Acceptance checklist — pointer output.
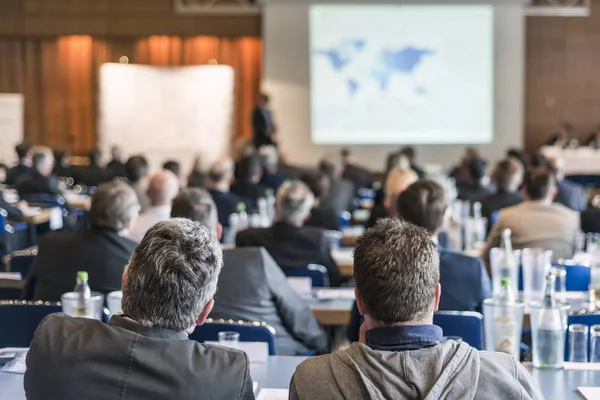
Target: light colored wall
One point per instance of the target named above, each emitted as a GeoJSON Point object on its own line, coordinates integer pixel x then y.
{"type": "Point", "coordinates": [286, 78]}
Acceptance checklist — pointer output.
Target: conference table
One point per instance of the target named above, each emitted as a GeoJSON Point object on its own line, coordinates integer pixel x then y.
{"type": "Point", "coordinates": [580, 161]}
{"type": "Point", "coordinates": [277, 372]}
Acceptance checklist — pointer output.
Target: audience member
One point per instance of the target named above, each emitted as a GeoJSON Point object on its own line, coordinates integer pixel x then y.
{"type": "Point", "coordinates": [174, 167]}
{"type": "Point", "coordinates": [62, 165]}
{"type": "Point", "coordinates": [145, 353]}
{"type": "Point", "coordinates": [13, 211]}
{"type": "Point", "coordinates": [116, 164]}
{"type": "Point", "coordinates": [24, 151]}
{"type": "Point", "coordinates": [538, 160]}
{"type": "Point", "coordinates": [562, 137]}
{"type": "Point", "coordinates": [537, 222]}
{"type": "Point", "coordinates": [247, 183]}
{"type": "Point", "coordinates": [39, 180]}
{"type": "Point", "coordinates": [341, 192]}
{"type": "Point", "coordinates": [360, 177]}
{"type": "Point", "coordinates": [507, 178]}
{"type": "Point", "coordinates": [519, 156]}
{"type": "Point", "coordinates": [221, 178]}
{"type": "Point", "coordinates": [102, 250]}
{"type": "Point", "coordinates": [290, 243]}
{"type": "Point", "coordinates": [401, 354]}
{"type": "Point", "coordinates": [320, 217]}
{"type": "Point", "coordinates": [163, 188]}
{"type": "Point", "coordinates": [287, 169]}
{"type": "Point", "coordinates": [411, 154]}
{"type": "Point", "coordinates": [397, 181]}
{"type": "Point", "coordinates": [269, 159]}
{"type": "Point", "coordinates": [478, 186]}
{"type": "Point", "coordinates": [569, 194]}
{"type": "Point", "coordinates": [137, 174]}
{"type": "Point", "coordinates": [197, 178]}
{"type": "Point", "coordinates": [94, 174]}
{"type": "Point", "coordinates": [252, 287]}
{"type": "Point", "coordinates": [590, 218]}
{"type": "Point", "coordinates": [263, 124]}
{"type": "Point", "coordinates": [462, 172]}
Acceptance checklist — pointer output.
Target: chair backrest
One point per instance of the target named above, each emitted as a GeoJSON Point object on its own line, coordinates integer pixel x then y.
{"type": "Point", "coordinates": [249, 332]}
{"type": "Point", "coordinates": [21, 260]}
{"type": "Point", "coordinates": [588, 319]}
{"type": "Point", "coordinates": [45, 200]}
{"type": "Point", "coordinates": [578, 276]}
{"type": "Point", "coordinates": [318, 274]}
{"type": "Point", "coordinates": [20, 319]}
{"type": "Point", "coordinates": [466, 324]}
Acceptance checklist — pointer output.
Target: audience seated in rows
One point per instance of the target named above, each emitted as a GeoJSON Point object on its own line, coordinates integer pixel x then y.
{"type": "Point", "coordinates": [397, 181]}
{"type": "Point", "coordinates": [137, 174]}
{"type": "Point", "coordinates": [401, 354]}
{"type": "Point", "coordinates": [95, 173]}
{"type": "Point", "coordinates": [197, 178]}
{"type": "Point", "coordinates": [144, 353]}
{"type": "Point", "coordinates": [507, 178]}
{"type": "Point", "coordinates": [568, 193]}
{"type": "Point", "coordinates": [341, 191]}
{"type": "Point", "coordinates": [25, 153]}
{"type": "Point", "coordinates": [360, 177]}
{"type": "Point", "coordinates": [116, 164]}
{"type": "Point", "coordinates": [162, 189]}
{"type": "Point", "coordinates": [269, 159]}
{"type": "Point", "coordinates": [252, 287]}
{"type": "Point", "coordinates": [103, 250]}
{"type": "Point", "coordinates": [290, 243]}
{"type": "Point", "coordinates": [247, 182]}
{"type": "Point", "coordinates": [320, 216]}
{"type": "Point", "coordinates": [221, 177]}
{"type": "Point", "coordinates": [538, 222]}
{"type": "Point", "coordinates": [478, 186]}
{"type": "Point", "coordinates": [39, 179]}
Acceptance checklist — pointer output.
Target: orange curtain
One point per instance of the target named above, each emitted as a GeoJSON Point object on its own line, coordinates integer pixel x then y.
{"type": "Point", "coordinates": [59, 78]}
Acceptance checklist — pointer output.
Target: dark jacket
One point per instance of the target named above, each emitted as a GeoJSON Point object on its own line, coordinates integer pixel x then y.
{"type": "Point", "coordinates": [498, 201]}
{"type": "Point", "coordinates": [197, 180]}
{"type": "Point", "coordinates": [77, 358]}
{"type": "Point", "coordinates": [227, 204]}
{"type": "Point", "coordinates": [252, 287]}
{"type": "Point", "coordinates": [118, 168]}
{"type": "Point", "coordinates": [251, 192]}
{"type": "Point", "coordinates": [263, 126]}
{"type": "Point", "coordinates": [340, 197]}
{"type": "Point", "coordinates": [571, 195]}
{"type": "Point", "coordinates": [16, 172]}
{"type": "Point", "coordinates": [34, 183]}
{"type": "Point", "coordinates": [11, 211]}
{"type": "Point", "coordinates": [293, 247]}
{"type": "Point", "coordinates": [473, 193]}
{"type": "Point", "coordinates": [272, 180]}
{"type": "Point", "coordinates": [93, 175]}
{"type": "Point", "coordinates": [326, 218]}
{"type": "Point", "coordinates": [103, 253]}
{"type": "Point", "coordinates": [64, 172]}
{"type": "Point", "coordinates": [360, 177]}
{"type": "Point", "coordinates": [590, 220]}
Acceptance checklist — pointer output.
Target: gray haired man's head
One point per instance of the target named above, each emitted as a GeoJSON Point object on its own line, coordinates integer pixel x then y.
{"type": "Point", "coordinates": [197, 205]}
{"type": "Point", "coordinates": [397, 271]}
{"type": "Point", "coordinates": [269, 157]}
{"type": "Point", "coordinates": [293, 203]}
{"type": "Point", "coordinates": [114, 206]}
{"type": "Point", "coordinates": [43, 160]}
{"type": "Point", "coordinates": [172, 276]}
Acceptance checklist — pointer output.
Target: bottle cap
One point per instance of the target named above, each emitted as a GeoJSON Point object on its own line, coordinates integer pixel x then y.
{"type": "Point", "coordinates": [241, 207]}
{"type": "Point", "coordinates": [82, 275]}
{"type": "Point", "coordinates": [505, 282]}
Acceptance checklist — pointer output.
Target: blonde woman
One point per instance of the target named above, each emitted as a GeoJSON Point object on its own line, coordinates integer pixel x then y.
{"type": "Point", "coordinates": [397, 181]}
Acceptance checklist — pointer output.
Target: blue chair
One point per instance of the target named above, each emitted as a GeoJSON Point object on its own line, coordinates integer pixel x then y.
{"type": "Point", "coordinates": [466, 324]}
{"type": "Point", "coordinates": [578, 276]}
{"type": "Point", "coordinates": [495, 216]}
{"type": "Point", "coordinates": [21, 260]}
{"type": "Point", "coordinates": [12, 237]}
{"type": "Point", "coordinates": [20, 319]}
{"type": "Point", "coordinates": [318, 274]}
{"type": "Point", "coordinates": [51, 201]}
{"type": "Point", "coordinates": [249, 332]}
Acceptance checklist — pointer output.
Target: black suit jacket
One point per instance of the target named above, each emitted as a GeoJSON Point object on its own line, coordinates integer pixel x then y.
{"type": "Point", "coordinates": [252, 287]}
{"type": "Point", "coordinates": [118, 168]}
{"type": "Point", "coordinates": [227, 204]}
{"type": "Point", "coordinates": [16, 172]}
{"type": "Point", "coordinates": [93, 175]}
{"type": "Point", "coordinates": [251, 192]}
{"type": "Point", "coordinates": [263, 127]}
{"type": "Point", "coordinates": [340, 197]}
{"type": "Point", "coordinates": [498, 201]}
{"type": "Point", "coordinates": [293, 247]}
{"type": "Point", "coordinates": [272, 181]}
{"type": "Point", "coordinates": [571, 195]}
{"type": "Point", "coordinates": [590, 220]}
{"type": "Point", "coordinates": [360, 177]}
{"type": "Point", "coordinates": [77, 358]}
{"type": "Point", "coordinates": [34, 183]}
{"type": "Point", "coordinates": [103, 253]}
{"type": "Point", "coordinates": [472, 192]}
{"type": "Point", "coordinates": [326, 218]}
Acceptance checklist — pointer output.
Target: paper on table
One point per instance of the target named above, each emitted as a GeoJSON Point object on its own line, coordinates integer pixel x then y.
{"type": "Point", "coordinates": [590, 393]}
{"type": "Point", "coordinates": [582, 366]}
{"type": "Point", "coordinates": [13, 276]}
{"type": "Point", "coordinates": [335, 294]}
{"type": "Point", "coordinates": [17, 365]}
{"type": "Point", "coordinates": [273, 394]}
{"type": "Point", "coordinates": [254, 387]}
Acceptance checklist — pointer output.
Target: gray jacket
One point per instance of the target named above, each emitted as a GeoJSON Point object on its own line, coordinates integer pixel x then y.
{"type": "Point", "coordinates": [76, 358]}
{"type": "Point", "coordinates": [448, 371]}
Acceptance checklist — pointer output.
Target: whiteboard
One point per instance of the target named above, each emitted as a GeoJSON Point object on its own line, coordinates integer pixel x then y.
{"type": "Point", "coordinates": [167, 113]}
{"type": "Point", "coordinates": [11, 125]}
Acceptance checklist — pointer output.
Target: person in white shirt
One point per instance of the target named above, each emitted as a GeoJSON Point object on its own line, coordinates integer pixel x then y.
{"type": "Point", "coordinates": [163, 188]}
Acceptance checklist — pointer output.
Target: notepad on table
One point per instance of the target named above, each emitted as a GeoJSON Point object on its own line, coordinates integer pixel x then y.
{"type": "Point", "coordinates": [590, 393]}
{"type": "Point", "coordinates": [273, 394]}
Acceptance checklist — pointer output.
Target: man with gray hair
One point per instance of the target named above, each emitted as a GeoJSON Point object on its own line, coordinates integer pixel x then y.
{"type": "Point", "coordinates": [289, 242]}
{"type": "Point", "coordinates": [39, 180]}
{"type": "Point", "coordinates": [144, 353]}
{"type": "Point", "coordinates": [102, 250]}
{"type": "Point", "coordinates": [221, 178]}
{"type": "Point", "coordinates": [341, 191]}
{"type": "Point", "coordinates": [401, 354]}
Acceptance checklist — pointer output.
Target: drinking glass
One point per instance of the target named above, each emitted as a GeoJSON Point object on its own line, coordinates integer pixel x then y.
{"type": "Point", "coordinates": [560, 286]}
{"type": "Point", "coordinates": [595, 343]}
{"type": "Point", "coordinates": [503, 323]}
{"type": "Point", "coordinates": [70, 304]}
{"type": "Point", "coordinates": [229, 339]}
{"type": "Point", "coordinates": [502, 268]}
{"type": "Point", "coordinates": [536, 266]}
{"type": "Point", "coordinates": [592, 242]}
{"type": "Point", "coordinates": [113, 301]}
{"type": "Point", "coordinates": [578, 343]}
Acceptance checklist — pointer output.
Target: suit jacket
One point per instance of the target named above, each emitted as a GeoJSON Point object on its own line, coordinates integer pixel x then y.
{"type": "Point", "coordinates": [93, 175]}
{"type": "Point", "coordinates": [326, 218]}
{"type": "Point", "coordinates": [251, 192]}
{"type": "Point", "coordinates": [34, 183]}
{"type": "Point", "coordinates": [360, 177]}
{"type": "Point", "coordinates": [533, 224]}
{"type": "Point", "coordinates": [498, 201]}
{"type": "Point", "coordinates": [61, 171]}
{"type": "Point", "coordinates": [293, 247]}
{"type": "Point", "coordinates": [77, 358]}
{"type": "Point", "coordinates": [263, 125]}
{"type": "Point", "coordinates": [341, 195]}
{"type": "Point", "coordinates": [590, 220]}
{"type": "Point", "coordinates": [118, 168]}
{"type": "Point", "coordinates": [16, 172]}
{"type": "Point", "coordinates": [11, 211]}
{"type": "Point", "coordinates": [473, 193]}
{"type": "Point", "coordinates": [272, 181]}
{"type": "Point", "coordinates": [103, 253]}
{"type": "Point", "coordinates": [571, 195]}
{"type": "Point", "coordinates": [197, 180]}
{"type": "Point", "coordinates": [227, 204]}
{"type": "Point", "coordinates": [252, 287]}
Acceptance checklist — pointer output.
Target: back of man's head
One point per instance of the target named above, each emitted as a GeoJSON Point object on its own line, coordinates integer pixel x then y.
{"type": "Point", "coordinates": [249, 169]}
{"type": "Point", "coordinates": [221, 173]}
{"type": "Point", "coordinates": [332, 166]}
{"type": "Point", "coordinates": [163, 188]}
{"type": "Point", "coordinates": [197, 205]}
{"type": "Point", "coordinates": [293, 203]}
{"type": "Point", "coordinates": [423, 204]}
{"type": "Point", "coordinates": [269, 158]}
{"type": "Point", "coordinates": [137, 168]}
{"type": "Point", "coordinates": [95, 157]}
{"type": "Point", "coordinates": [173, 166]}
{"type": "Point", "coordinates": [115, 153]}
{"type": "Point", "coordinates": [557, 166]}
{"type": "Point", "coordinates": [478, 169]}
{"type": "Point", "coordinates": [43, 160]}
{"type": "Point", "coordinates": [508, 175]}
{"type": "Point", "coordinates": [539, 185]}
{"type": "Point", "coordinates": [319, 184]}
{"type": "Point", "coordinates": [410, 153]}
{"type": "Point", "coordinates": [23, 150]}
{"type": "Point", "coordinates": [397, 269]}
{"type": "Point", "coordinates": [114, 206]}
{"type": "Point", "coordinates": [172, 275]}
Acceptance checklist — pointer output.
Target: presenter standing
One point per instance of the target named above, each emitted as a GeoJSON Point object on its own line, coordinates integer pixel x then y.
{"type": "Point", "coordinates": [262, 123]}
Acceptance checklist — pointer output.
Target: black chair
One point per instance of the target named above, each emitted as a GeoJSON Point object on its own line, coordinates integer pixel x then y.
{"type": "Point", "coordinates": [20, 319]}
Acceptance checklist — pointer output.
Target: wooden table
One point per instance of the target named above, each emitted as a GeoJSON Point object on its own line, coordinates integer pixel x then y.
{"type": "Point", "coordinates": [344, 260]}
{"type": "Point", "coordinates": [333, 312]}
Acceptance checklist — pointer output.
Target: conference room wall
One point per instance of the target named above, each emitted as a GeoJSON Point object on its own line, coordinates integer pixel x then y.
{"type": "Point", "coordinates": [286, 79]}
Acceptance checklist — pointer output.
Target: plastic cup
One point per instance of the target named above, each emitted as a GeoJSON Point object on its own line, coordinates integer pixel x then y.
{"type": "Point", "coordinates": [113, 301]}
{"type": "Point", "coordinates": [536, 264]}
{"type": "Point", "coordinates": [595, 344]}
{"type": "Point", "coordinates": [578, 343]}
{"type": "Point", "coordinates": [69, 305]}
{"type": "Point", "coordinates": [503, 324]}
{"type": "Point", "coordinates": [229, 339]}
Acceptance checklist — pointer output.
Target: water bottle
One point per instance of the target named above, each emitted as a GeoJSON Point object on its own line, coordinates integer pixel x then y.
{"type": "Point", "coordinates": [505, 320]}
{"type": "Point", "coordinates": [83, 296]}
{"type": "Point", "coordinates": [478, 223]}
{"type": "Point", "coordinates": [271, 206]}
{"type": "Point", "coordinates": [263, 212]}
{"type": "Point", "coordinates": [549, 335]}
{"type": "Point", "coordinates": [242, 217]}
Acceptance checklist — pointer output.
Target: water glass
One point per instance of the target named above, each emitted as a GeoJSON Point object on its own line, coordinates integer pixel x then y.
{"type": "Point", "coordinates": [113, 302]}
{"type": "Point", "coordinates": [536, 264]}
{"type": "Point", "coordinates": [229, 339]}
{"type": "Point", "coordinates": [334, 238]}
{"type": "Point", "coordinates": [503, 268]}
{"type": "Point", "coordinates": [70, 305]}
{"type": "Point", "coordinates": [592, 242]}
{"type": "Point", "coordinates": [503, 324]}
{"type": "Point", "coordinates": [578, 343]}
{"type": "Point", "coordinates": [595, 344]}
{"type": "Point", "coordinates": [560, 286]}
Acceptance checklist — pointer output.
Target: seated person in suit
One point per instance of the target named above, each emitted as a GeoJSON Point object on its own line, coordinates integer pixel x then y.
{"type": "Point", "coordinates": [94, 174]}
{"type": "Point", "coordinates": [561, 138]}
{"type": "Point", "coordinates": [174, 167]}
{"type": "Point", "coordinates": [197, 178]}
{"type": "Point", "coordinates": [341, 192]}
{"type": "Point", "coordinates": [590, 218]}
{"type": "Point", "coordinates": [137, 174]}
{"type": "Point", "coordinates": [116, 164]}
{"type": "Point", "coordinates": [360, 177]}
{"type": "Point", "coordinates": [478, 186]}
{"type": "Point", "coordinates": [397, 181]}
{"type": "Point", "coordinates": [569, 194]}
{"type": "Point", "coordinates": [269, 159]}
{"type": "Point", "coordinates": [24, 151]}
{"type": "Point", "coordinates": [39, 180]}
{"type": "Point", "coordinates": [145, 353]}
{"type": "Point", "coordinates": [103, 250]}
{"type": "Point", "coordinates": [220, 178]}
{"type": "Point", "coordinates": [247, 182]}
{"type": "Point", "coordinates": [320, 217]}
{"type": "Point", "coordinates": [411, 154]}
{"type": "Point", "coordinates": [507, 177]}
{"type": "Point", "coordinates": [163, 188]}
{"type": "Point", "coordinates": [401, 353]}
{"type": "Point", "coordinates": [62, 165]}
{"type": "Point", "coordinates": [290, 243]}
{"type": "Point", "coordinates": [538, 222]}
{"type": "Point", "coordinates": [252, 287]}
